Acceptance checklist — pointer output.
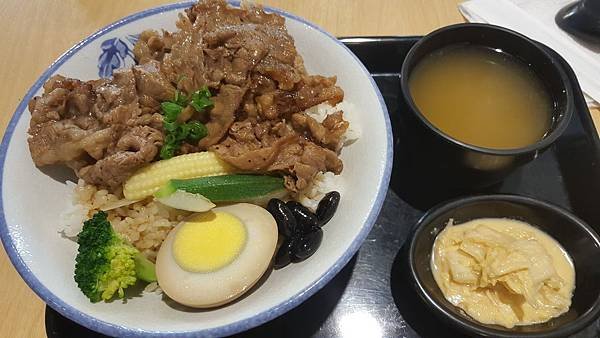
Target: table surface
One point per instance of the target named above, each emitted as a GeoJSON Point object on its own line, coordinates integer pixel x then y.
{"type": "Point", "coordinates": [37, 32]}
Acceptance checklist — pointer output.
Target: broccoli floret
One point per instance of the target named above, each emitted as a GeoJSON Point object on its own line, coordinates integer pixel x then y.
{"type": "Point", "coordinates": [106, 263]}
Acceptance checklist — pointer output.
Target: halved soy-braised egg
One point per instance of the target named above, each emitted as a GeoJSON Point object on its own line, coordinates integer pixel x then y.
{"type": "Point", "coordinates": [214, 257]}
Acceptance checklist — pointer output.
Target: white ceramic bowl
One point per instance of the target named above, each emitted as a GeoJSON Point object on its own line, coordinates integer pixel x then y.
{"type": "Point", "coordinates": [32, 201]}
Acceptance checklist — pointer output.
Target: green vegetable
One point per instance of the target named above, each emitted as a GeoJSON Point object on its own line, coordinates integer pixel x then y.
{"type": "Point", "coordinates": [177, 132]}
{"type": "Point", "coordinates": [106, 264]}
{"type": "Point", "coordinates": [194, 130]}
{"type": "Point", "coordinates": [228, 188]}
{"type": "Point", "coordinates": [144, 269]}
{"type": "Point", "coordinates": [184, 200]}
{"type": "Point", "coordinates": [201, 99]}
{"type": "Point", "coordinates": [171, 110]}
{"type": "Point", "coordinates": [180, 98]}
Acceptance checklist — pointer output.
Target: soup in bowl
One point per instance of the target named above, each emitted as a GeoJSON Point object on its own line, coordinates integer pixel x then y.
{"type": "Point", "coordinates": [482, 101]}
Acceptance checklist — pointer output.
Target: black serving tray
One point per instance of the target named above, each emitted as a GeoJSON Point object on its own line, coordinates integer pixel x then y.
{"type": "Point", "coordinates": [372, 296]}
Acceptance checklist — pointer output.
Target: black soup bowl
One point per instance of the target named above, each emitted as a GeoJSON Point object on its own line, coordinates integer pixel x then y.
{"type": "Point", "coordinates": [580, 241]}
{"type": "Point", "coordinates": [469, 165]}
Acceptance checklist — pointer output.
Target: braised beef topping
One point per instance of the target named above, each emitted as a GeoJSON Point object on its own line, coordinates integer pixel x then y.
{"type": "Point", "coordinates": [107, 129]}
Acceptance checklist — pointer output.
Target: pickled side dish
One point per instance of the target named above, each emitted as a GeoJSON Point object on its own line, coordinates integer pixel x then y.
{"type": "Point", "coordinates": [503, 271]}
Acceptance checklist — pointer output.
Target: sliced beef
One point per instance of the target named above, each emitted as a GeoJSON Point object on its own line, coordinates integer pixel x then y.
{"type": "Point", "coordinates": [184, 64]}
{"type": "Point", "coordinates": [151, 83]}
{"type": "Point", "coordinates": [329, 133]}
{"type": "Point", "coordinates": [135, 148]}
{"type": "Point", "coordinates": [303, 161]}
{"type": "Point", "coordinates": [316, 89]}
{"type": "Point", "coordinates": [252, 145]}
{"type": "Point", "coordinates": [111, 94]}
{"type": "Point", "coordinates": [218, 45]}
{"type": "Point", "coordinates": [106, 129]}
{"type": "Point", "coordinates": [148, 105]}
{"type": "Point", "coordinates": [274, 147]}
{"type": "Point", "coordinates": [222, 114]}
{"type": "Point", "coordinates": [62, 98]}
{"type": "Point", "coordinates": [310, 91]}
{"type": "Point", "coordinates": [90, 126]}
{"type": "Point", "coordinates": [48, 107]}
{"type": "Point", "coordinates": [55, 142]}
{"type": "Point", "coordinates": [248, 47]}
{"type": "Point", "coordinates": [255, 157]}
{"type": "Point", "coordinates": [215, 13]}
{"type": "Point", "coordinates": [152, 46]}
{"type": "Point", "coordinates": [121, 114]}
{"type": "Point", "coordinates": [154, 120]}
{"type": "Point", "coordinates": [294, 156]}
{"type": "Point", "coordinates": [98, 143]}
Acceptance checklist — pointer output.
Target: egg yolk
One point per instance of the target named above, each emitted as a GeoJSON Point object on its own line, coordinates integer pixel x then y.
{"type": "Point", "coordinates": [209, 241]}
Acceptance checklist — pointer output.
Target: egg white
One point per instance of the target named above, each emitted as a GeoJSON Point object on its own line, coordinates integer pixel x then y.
{"type": "Point", "coordinates": [209, 289]}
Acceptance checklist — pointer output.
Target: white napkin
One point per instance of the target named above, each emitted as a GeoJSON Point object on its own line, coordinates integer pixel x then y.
{"type": "Point", "coordinates": [535, 19]}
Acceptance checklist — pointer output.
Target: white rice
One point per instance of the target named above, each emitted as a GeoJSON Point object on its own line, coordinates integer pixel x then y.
{"type": "Point", "coordinates": [326, 182]}
{"type": "Point", "coordinates": [320, 112]}
{"type": "Point", "coordinates": [321, 185]}
{"type": "Point", "coordinates": [145, 224]}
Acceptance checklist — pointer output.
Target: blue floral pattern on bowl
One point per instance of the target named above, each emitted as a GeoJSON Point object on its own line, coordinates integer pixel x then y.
{"type": "Point", "coordinates": [116, 53]}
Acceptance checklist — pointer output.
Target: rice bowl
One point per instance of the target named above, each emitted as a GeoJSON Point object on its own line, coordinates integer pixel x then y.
{"type": "Point", "coordinates": [55, 285]}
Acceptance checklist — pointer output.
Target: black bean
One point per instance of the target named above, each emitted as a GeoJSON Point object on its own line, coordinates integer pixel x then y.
{"type": "Point", "coordinates": [286, 223]}
{"type": "Point", "coordinates": [327, 207]}
{"type": "Point", "coordinates": [305, 219]}
{"type": "Point", "coordinates": [306, 245]}
{"type": "Point", "coordinates": [283, 257]}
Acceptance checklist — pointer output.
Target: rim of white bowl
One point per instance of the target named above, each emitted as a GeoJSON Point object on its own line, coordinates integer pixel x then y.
{"type": "Point", "coordinates": [241, 325]}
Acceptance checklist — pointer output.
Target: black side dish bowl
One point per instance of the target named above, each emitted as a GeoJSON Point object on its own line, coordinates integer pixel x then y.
{"type": "Point", "coordinates": [580, 241]}
{"type": "Point", "coordinates": [468, 165]}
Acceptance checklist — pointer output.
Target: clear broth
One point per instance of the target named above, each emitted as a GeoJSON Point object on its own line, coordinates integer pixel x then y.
{"type": "Point", "coordinates": [481, 97]}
